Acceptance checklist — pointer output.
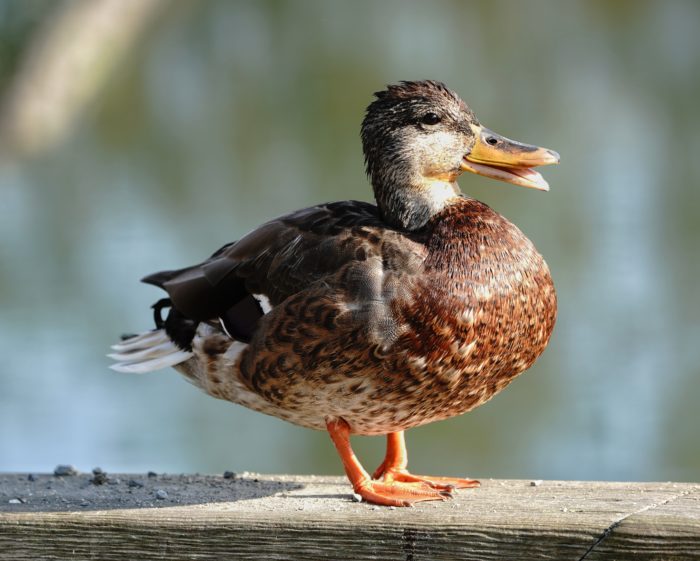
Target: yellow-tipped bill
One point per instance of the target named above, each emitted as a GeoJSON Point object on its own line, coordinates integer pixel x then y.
{"type": "Point", "coordinates": [499, 157]}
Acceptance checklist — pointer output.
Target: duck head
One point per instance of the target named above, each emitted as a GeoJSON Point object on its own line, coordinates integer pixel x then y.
{"type": "Point", "coordinates": [418, 137]}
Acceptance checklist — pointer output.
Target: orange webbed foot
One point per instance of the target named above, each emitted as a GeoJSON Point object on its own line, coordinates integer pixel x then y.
{"type": "Point", "coordinates": [393, 469]}
{"type": "Point", "coordinates": [432, 481]}
{"type": "Point", "coordinates": [399, 493]}
{"type": "Point", "coordinates": [392, 484]}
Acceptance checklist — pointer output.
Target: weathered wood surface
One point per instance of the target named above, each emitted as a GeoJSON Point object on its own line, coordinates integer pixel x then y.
{"type": "Point", "coordinates": [314, 518]}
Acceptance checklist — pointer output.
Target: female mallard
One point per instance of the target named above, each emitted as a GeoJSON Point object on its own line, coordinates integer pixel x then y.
{"type": "Point", "coordinates": [363, 319]}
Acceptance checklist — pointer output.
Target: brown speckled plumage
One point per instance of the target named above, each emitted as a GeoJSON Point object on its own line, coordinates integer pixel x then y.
{"type": "Point", "coordinates": [382, 318]}
{"type": "Point", "coordinates": [406, 330]}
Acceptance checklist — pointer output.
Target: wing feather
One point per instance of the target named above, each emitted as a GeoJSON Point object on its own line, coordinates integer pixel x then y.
{"type": "Point", "coordinates": [281, 258]}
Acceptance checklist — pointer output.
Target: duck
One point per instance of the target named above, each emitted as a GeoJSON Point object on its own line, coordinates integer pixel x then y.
{"type": "Point", "coordinates": [371, 319]}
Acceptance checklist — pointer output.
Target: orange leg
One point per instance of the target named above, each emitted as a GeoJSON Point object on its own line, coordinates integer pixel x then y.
{"type": "Point", "coordinates": [389, 493]}
{"type": "Point", "coordinates": [395, 464]}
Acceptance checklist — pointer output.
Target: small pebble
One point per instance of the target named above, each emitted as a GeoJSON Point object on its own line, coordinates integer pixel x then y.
{"type": "Point", "coordinates": [357, 497]}
{"type": "Point", "coordinates": [99, 477]}
{"type": "Point", "coordinates": [152, 474]}
{"type": "Point", "coordinates": [161, 495]}
{"type": "Point", "coordinates": [392, 508]}
{"type": "Point", "coordinates": [31, 477]}
{"type": "Point", "coordinates": [65, 470]}
{"type": "Point", "coordinates": [84, 503]}
{"type": "Point", "coordinates": [134, 483]}
{"type": "Point", "coordinates": [536, 483]}
{"type": "Point", "coordinates": [15, 502]}
{"type": "Point", "coordinates": [229, 475]}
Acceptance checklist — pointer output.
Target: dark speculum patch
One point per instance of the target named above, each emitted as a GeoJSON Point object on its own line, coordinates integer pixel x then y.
{"type": "Point", "coordinates": [241, 319]}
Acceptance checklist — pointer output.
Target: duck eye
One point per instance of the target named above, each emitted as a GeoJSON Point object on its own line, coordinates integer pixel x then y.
{"type": "Point", "coordinates": [430, 119]}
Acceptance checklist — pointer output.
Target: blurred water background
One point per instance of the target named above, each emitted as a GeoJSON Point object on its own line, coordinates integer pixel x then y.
{"type": "Point", "coordinates": [228, 113]}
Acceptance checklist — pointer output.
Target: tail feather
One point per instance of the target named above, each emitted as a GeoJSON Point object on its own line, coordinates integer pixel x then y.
{"type": "Point", "coordinates": [142, 354]}
{"type": "Point", "coordinates": [143, 340]}
{"type": "Point", "coordinates": [147, 352]}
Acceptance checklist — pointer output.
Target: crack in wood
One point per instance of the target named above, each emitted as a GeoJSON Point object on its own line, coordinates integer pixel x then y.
{"type": "Point", "coordinates": [409, 543]}
{"type": "Point", "coordinates": [609, 530]}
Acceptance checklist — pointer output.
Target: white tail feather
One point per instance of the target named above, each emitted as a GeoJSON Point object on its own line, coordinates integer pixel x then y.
{"type": "Point", "coordinates": [141, 341]}
{"type": "Point", "coordinates": [153, 364]}
{"type": "Point", "coordinates": [147, 352]}
{"type": "Point", "coordinates": [143, 354]}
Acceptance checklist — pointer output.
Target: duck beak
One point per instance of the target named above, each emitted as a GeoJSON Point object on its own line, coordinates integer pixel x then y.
{"type": "Point", "coordinates": [499, 157]}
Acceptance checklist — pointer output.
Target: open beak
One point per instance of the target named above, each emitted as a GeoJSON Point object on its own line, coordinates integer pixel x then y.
{"type": "Point", "coordinates": [499, 157]}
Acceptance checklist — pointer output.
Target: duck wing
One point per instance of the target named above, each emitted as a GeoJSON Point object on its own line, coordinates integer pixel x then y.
{"type": "Point", "coordinates": [277, 260]}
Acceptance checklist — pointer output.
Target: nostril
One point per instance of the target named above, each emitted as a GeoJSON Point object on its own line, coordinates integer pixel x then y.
{"type": "Point", "coordinates": [492, 140]}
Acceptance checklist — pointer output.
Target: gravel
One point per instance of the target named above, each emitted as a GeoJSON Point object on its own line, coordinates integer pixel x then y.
{"type": "Point", "coordinates": [99, 477]}
{"type": "Point", "coordinates": [65, 470]}
{"type": "Point", "coordinates": [49, 493]}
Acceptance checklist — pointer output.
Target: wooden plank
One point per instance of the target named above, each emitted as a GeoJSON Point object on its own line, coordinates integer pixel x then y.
{"type": "Point", "coordinates": [314, 518]}
{"type": "Point", "coordinates": [645, 532]}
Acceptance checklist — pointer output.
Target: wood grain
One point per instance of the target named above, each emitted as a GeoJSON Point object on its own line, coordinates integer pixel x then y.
{"type": "Point", "coordinates": [314, 518]}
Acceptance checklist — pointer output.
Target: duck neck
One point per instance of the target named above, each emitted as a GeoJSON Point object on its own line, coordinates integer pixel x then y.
{"type": "Point", "coordinates": [409, 201]}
